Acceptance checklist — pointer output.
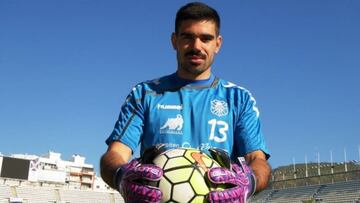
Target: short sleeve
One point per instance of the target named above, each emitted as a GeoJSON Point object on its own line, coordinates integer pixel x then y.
{"type": "Point", "coordinates": [129, 126]}
{"type": "Point", "coordinates": [248, 134]}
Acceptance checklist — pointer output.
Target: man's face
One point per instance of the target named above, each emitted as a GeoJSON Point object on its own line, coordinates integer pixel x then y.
{"type": "Point", "coordinates": [196, 44]}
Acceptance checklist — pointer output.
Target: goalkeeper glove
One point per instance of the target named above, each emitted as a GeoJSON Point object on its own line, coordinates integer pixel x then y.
{"type": "Point", "coordinates": [132, 178]}
{"type": "Point", "coordinates": [239, 179]}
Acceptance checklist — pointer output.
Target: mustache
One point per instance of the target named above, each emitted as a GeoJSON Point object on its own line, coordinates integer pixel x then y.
{"type": "Point", "coordinates": [195, 53]}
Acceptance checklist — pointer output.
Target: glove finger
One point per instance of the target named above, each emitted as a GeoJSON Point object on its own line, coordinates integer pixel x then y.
{"type": "Point", "coordinates": [136, 193]}
{"type": "Point", "coordinates": [236, 168]}
{"type": "Point", "coordinates": [220, 175]}
{"type": "Point", "coordinates": [242, 177]}
{"type": "Point", "coordinates": [146, 171]}
{"type": "Point", "coordinates": [133, 163]}
{"type": "Point", "coordinates": [232, 195]}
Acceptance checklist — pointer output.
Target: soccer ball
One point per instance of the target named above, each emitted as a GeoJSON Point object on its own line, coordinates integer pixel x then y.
{"type": "Point", "coordinates": [184, 175]}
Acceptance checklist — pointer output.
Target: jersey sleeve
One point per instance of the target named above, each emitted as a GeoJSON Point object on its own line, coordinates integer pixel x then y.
{"type": "Point", "coordinates": [129, 126]}
{"type": "Point", "coordinates": [248, 134]}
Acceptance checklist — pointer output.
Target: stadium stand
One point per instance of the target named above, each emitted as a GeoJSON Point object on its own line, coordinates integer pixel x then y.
{"type": "Point", "coordinates": [49, 179]}
{"type": "Point", "coordinates": [41, 194]}
{"type": "Point", "coordinates": [313, 183]}
{"type": "Point", "coordinates": [70, 196]}
{"type": "Point", "coordinates": [5, 193]}
{"type": "Point", "coordinates": [298, 194]}
{"type": "Point", "coordinates": [340, 192]}
{"type": "Point", "coordinates": [262, 197]}
{"type": "Point", "coordinates": [118, 198]}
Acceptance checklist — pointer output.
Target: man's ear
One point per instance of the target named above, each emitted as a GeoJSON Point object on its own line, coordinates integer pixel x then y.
{"type": "Point", "coordinates": [218, 43]}
{"type": "Point", "coordinates": [173, 40]}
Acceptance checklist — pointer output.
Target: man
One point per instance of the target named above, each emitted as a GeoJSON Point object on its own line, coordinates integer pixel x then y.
{"type": "Point", "coordinates": [190, 108]}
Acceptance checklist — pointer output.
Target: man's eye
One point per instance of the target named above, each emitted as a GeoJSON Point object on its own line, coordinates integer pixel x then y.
{"type": "Point", "coordinates": [206, 39]}
{"type": "Point", "coordinates": [187, 37]}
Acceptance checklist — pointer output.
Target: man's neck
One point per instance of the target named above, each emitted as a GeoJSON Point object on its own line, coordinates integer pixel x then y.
{"type": "Point", "coordinates": [190, 76]}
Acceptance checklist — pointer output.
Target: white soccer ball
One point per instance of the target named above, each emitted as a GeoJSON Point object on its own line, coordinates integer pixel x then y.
{"type": "Point", "coordinates": [184, 175]}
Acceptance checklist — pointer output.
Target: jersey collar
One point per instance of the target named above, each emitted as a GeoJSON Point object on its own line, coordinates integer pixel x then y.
{"type": "Point", "coordinates": [180, 82]}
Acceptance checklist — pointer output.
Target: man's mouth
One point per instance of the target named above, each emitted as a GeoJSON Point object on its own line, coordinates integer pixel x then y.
{"type": "Point", "coordinates": [195, 58]}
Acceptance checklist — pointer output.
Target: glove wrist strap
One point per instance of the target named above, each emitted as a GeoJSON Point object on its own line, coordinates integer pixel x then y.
{"type": "Point", "coordinates": [252, 180]}
{"type": "Point", "coordinates": [118, 176]}
{"type": "Point", "coordinates": [250, 174]}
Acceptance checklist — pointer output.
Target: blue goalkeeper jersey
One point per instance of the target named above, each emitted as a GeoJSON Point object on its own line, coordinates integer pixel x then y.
{"type": "Point", "coordinates": [194, 114]}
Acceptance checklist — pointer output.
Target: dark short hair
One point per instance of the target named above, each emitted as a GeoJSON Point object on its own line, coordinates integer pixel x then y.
{"type": "Point", "coordinates": [197, 11]}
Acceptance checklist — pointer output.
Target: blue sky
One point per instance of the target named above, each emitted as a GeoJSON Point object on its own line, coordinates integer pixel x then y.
{"type": "Point", "coordinates": [67, 66]}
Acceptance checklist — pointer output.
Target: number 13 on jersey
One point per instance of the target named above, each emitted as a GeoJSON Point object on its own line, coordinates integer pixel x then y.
{"type": "Point", "coordinates": [223, 128]}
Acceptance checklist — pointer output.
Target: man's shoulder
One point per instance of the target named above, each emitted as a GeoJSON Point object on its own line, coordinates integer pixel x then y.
{"type": "Point", "coordinates": [230, 86]}
{"type": "Point", "coordinates": [239, 93]}
{"type": "Point", "coordinates": [154, 85]}
{"type": "Point", "coordinates": [159, 81]}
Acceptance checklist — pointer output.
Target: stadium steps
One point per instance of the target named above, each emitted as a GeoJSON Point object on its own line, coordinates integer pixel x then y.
{"type": "Point", "coordinates": [340, 192]}
{"type": "Point", "coordinates": [294, 195]}
{"type": "Point", "coordinates": [262, 197]}
{"type": "Point", "coordinates": [13, 191]}
{"type": "Point", "coordinates": [41, 194]}
{"type": "Point", "coordinates": [118, 198]}
{"type": "Point", "coordinates": [5, 193]}
{"type": "Point", "coordinates": [319, 189]}
{"type": "Point", "coordinates": [57, 194]}
{"type": "Point", "coordinates": [83, 196]}
{"type": "Point", "coordinates": [270, 195]}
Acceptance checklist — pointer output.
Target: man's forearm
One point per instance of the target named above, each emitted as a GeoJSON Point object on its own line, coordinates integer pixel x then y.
{"type": "Point", "coordinates": [109, 163]}
{"type": "Point", "coordinates": [262, 171]}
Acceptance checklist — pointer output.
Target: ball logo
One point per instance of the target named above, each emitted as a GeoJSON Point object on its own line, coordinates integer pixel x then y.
{"type": "Point", "coordinates": [219, 108]}
{"type": "Point", "coordinates": [198, 157]}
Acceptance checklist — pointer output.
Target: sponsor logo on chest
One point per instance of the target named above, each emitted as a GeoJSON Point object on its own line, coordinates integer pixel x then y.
{"type": "Point", "coordinates": [173, 125]}
{"type": "Point", "coordinates": [169, 107]}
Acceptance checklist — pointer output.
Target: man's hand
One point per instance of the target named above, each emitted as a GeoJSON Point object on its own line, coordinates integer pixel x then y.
{"type": "Point", "coordinates": [238, 178]}
{"type": "Point", "coordinates": [129, 178]}
{"type": "Point", "coordinates": [133, 180]}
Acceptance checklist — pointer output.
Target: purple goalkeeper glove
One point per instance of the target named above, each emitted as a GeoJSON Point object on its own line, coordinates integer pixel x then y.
{"type": "Point", "coordinates": [131, 180]}
{"type": "Point", "coordinates": [239, 179]}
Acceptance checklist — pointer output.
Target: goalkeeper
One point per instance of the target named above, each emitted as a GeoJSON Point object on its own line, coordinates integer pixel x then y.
{"type": "Point", "coordinates": [190, 108]}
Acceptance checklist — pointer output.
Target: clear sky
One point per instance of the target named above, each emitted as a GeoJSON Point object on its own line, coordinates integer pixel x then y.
{"type": "Point", "coordinates": [67, 66]}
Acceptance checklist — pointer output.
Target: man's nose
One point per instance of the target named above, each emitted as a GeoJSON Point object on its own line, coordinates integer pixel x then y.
{"type": "Point", "coordinates": [196, 44]}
